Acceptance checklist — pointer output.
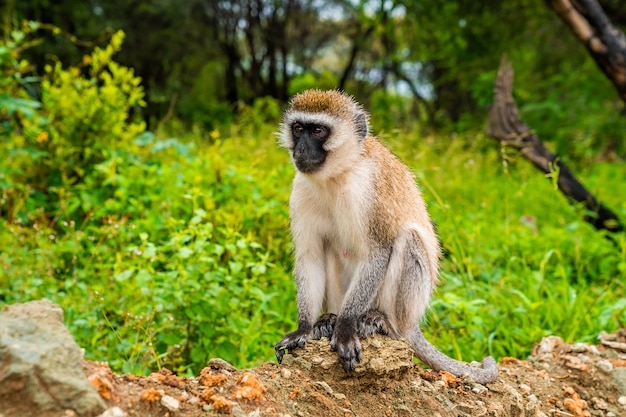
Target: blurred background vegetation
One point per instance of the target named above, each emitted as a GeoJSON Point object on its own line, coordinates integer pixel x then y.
{"type": "Point", "coordinates": [142, 189]}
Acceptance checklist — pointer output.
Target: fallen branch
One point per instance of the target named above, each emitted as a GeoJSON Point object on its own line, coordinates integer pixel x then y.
{"type": "Point", "coordinates": [506, 126]}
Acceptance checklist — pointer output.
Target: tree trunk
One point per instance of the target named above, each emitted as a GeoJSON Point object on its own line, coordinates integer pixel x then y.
{"type": "Point", "coordinates": [506, 126]}
{"type": "Point", "coordinates": [604, 42]}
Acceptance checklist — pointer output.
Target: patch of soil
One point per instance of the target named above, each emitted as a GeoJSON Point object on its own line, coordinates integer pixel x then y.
{"type": "Point", "coordinates": [559, 379]}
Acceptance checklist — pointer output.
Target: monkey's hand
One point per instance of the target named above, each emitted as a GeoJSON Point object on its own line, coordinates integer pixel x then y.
{"type": "Point", "coordinates": [345, 341]}
{"type": "Point", "coordinates": [293, 340]}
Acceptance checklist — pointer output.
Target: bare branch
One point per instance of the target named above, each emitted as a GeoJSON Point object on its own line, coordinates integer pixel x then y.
{"type": "Point", "coordinates": [506, 126]}
{"type": "Point", "coordinates": [605, 42]}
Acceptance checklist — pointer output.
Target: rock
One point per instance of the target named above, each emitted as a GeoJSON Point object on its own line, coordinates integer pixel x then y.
{"type": "Point", "coordinates": [114, 412]}
{"type": "Point", "coordinates": [548, 345]}
{"type": "Point", "coordinates": [325, 386]}
{"type": "Point", "coordinates": [380, 356]}
{"type": "Point", "coordinates": [479, 389]}
{"type": "Point", "coordinates": [605, 366]}
{"type": "Point", "coordinates": [40, 363]}
{"type": "Point", "coordinates": [221, 364]}
{"type": "Point", "coordinates": [170, 403]}
{"type": "Point", "coordinates": [619, 378]}
{"type": "Point", "coordinates": [579, 348]}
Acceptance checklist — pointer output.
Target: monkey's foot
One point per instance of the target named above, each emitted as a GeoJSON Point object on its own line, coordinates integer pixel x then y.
{"type": "Point", "coordinates": [370, 323]}
{"type": "Point", "coordinates": [345, 341]}
{"type": "Point", "coordinates": [292, 340]}
{"type": "Point", "coordinates": [324, 326]}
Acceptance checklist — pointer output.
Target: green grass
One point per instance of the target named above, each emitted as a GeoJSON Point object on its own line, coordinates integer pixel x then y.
{"type": "Point", "coordinates": [520, 263]}
{"type": "Point", "coordinates": [191, 257]}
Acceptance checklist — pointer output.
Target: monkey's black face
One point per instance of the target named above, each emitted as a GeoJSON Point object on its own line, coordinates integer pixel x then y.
{"type": "Point", "coordinates": [308, 152]}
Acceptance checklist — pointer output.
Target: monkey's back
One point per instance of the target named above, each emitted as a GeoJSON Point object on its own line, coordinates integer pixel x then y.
{"type": "Point", "coordinates": [398, 202]}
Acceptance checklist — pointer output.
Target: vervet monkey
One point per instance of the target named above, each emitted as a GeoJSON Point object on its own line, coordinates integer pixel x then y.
{"type": "Point", "coordinates": [366, 252]}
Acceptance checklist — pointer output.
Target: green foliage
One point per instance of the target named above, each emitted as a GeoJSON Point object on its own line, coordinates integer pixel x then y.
{"type": "Point", "coordinates": [166, 251]}
{"type": "Point", "coordinates": [187, 262]}
{"type": "Point", "coordinates": [13, 101]}
{"type": "Point", "coordinates": [81, 127]}
{"type": "Point", "coordinates": [192, 259]}
{"type": "Point", "coordinates": [255, 120]}
{"type": "Point", "coordinates": [203, 105]}
{"type": "Point", "coordinates": [389, 111]}
{"type": "Point", "coordinates": [520, 263]}
{"type": "Point", "coordinates": [325, 80]}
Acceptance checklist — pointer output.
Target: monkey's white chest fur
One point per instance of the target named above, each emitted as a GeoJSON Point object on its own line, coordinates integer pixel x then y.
{"type": "Point", "coordinates": [332, 228]}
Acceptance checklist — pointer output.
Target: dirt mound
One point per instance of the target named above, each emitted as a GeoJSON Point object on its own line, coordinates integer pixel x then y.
{"type": "Point", "coordinates": [40, 375]}
{"type": "Point", "coordinates": [558, 379]}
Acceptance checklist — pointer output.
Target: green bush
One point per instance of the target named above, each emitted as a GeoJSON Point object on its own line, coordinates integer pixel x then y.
{"type": "Point", "coordinates": [80, 127]}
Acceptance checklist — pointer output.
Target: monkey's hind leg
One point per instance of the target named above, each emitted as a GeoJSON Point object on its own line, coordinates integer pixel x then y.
{"type": "Point", "coordinates": [324, 326]}
{"type": "Point", "coordinates": [368, 324]}
{"type": "Point", "coordinates": [371, 322]}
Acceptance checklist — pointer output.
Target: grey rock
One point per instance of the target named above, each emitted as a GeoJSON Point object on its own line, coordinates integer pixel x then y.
{"type": "Point", "coordinates": [221, 364]}
{"type": "Point", "coordinates": [619, 378]}
{"type": "Point", "coordinates": [40, 363]}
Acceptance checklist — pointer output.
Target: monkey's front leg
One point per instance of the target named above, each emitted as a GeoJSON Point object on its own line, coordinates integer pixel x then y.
{"type": "Point", "coordinates": [357, 302]}
{"type": "Point", "coordinates": [293, 340]}
{"type": "Point", "coordinates": [310, 280]}
{"type": "Point", "coordinates": [322, 328]}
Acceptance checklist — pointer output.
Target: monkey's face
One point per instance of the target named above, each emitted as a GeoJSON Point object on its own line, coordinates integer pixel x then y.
{"type": "Point", "coordinates": [308, 145]}
{"type": "Point", "coordinates": [323, 131]}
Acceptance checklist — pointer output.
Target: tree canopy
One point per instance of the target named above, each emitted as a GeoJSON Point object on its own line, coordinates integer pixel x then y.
{"type": "Point", "coordinates": [419, 62]}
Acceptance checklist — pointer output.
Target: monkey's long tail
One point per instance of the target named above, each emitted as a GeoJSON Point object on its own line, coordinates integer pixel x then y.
{"type": "Point", "coordinates": [432, 357]}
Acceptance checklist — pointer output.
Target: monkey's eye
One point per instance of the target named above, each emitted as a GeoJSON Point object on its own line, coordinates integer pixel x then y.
{"type": "Point", "coordinates": [297, 129]}
{"type": "Point", "coordinates": [320, 132]}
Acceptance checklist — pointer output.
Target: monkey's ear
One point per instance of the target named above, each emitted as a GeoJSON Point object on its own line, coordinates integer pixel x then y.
{"type": "Point", "coordinates": [361, 125]}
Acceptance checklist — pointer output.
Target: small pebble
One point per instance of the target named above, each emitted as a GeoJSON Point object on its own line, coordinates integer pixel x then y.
{"type": "Point", "coordinates": [112, 412]}
{"type": "Point", "coordinates": [479, 389]}
{"type": "Point", "coordinates": [221, 364]}
{"type": "Point", "coordinates": [285, 373]}
{"type": "Point", "coordinates": [525, 388]}
{"type": "Point", "coordinates": [548, 344]}
{"type": "Point", "coordinates": [439, 385]}
{"type": "Point", "coordinates": [605, 366]}
{"type": "Point", "coordinates": [316, 360]}
{"type": "Point", "coordinates": [599, 403]}
{"type": "Point", "coordinates": [622, 400]}
{"type": "Point", "coordinates": [579, 347]}
{"type": "Point", "coordinates": [170, 403]}
{"type": "Point", "coordinates": [594, 350]}
{"type": "Point", "coordinates": [326, 387]}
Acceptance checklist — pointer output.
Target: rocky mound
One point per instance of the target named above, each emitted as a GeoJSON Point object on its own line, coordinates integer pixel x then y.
{"type": "Point", "coordinates": [40, 375]}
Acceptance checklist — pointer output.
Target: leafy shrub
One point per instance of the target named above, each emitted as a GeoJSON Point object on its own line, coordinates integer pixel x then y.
{"type": "Point", "coordinates": [82, 122]}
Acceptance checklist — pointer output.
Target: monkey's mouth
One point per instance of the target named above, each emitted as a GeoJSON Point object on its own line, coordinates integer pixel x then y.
{"type": "Point", "coordinates": [307, 166]}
